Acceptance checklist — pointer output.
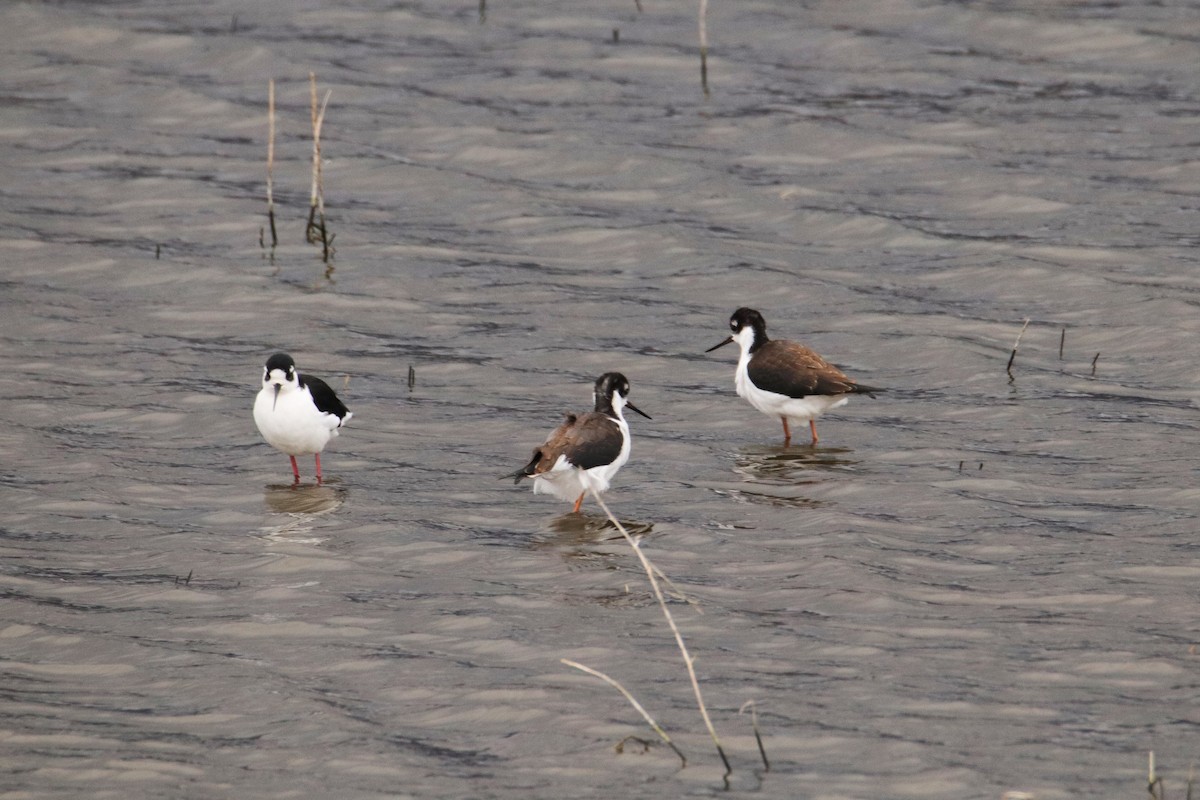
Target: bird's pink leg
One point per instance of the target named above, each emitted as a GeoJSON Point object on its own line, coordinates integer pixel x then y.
{"type": "Point", "coordinates": [578, 503]}
{"type": "Point", "coordinates": [812, 424]}
{"type": "Point", "coordinates": [787, 434]}
{"type": "Point", "coordinates": [318, 455]}
{"type": "Point", "coordinates": [295, 469]}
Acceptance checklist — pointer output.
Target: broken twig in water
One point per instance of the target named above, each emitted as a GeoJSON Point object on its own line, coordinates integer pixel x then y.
{"type": "Point", "coordinates": [1094, 360]}
{"type": "Point", "coordinates": [270, 164]}
{"type": "Point", "coordinates": [704, 47]}
{"type": "Point", "coordinates": [688, 661]}
{"type": "Point", "coordinates": [1154, 783]}
{"type": "Point", "coordinates": [1016, 344]}
{"type": "Point", "coordinates": [317, 230]}
{"type": "Point", "coordinates": [762, 751]}
{"type": "Point", "coordinates": [1061, 341]}
{"type": "Point", "coordinates": [271, 161]}
{"type": "Point", "coordinates": [632, 701]}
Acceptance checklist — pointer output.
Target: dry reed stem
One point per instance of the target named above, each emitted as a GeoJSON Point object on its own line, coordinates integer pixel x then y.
{"type": "Point", "coordinates": [632, 701]}
{"type": "Point", "coordinates": [1153, 781]}
{"type": "Point", "coordinates": [1016, 344]}
{"type": "Point", "coordinates": [688, 661]}
{"type": "Point", "coordinates": [317, 229]}
{"type": "Point", "coordinates": [1062, 340]}
{"type": "Point", "coordinates": [679, 593]}
{"type": "Point", "coordinates": [704, 46]}
{"type": "Point", "coordinates": [271, 161]}
{"type": "Point", "coordinates": [312, 104]}
{"type": "Point", "coordinates": [762, 751]}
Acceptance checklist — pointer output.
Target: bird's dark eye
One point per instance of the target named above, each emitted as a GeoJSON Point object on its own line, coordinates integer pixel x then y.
{"type": "Point", "coordinates": [732, 326]}
{"type": "Point", "coordinates": [291, 373]}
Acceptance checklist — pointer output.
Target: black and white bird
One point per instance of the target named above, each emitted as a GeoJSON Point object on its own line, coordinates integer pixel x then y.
{"type": "Point", "coordinates": [297, 414]}
{"type": "Point", "coordinates": [786, 379]}
{"type": "Point", "coordinates": [588, 449]}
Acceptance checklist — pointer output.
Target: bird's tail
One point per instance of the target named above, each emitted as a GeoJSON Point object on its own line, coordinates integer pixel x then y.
{"type": "Point", "coordinates": [526, 471]}
{"type": "Point", "coordinates": [867, 390]}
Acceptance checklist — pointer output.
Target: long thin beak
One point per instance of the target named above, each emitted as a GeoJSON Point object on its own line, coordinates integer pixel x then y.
{"type": "Point", "coordinates": [721, 344]}
{"type": "Point", "coordinates": [276, 400]}
{"type": "Point", "coordinates": [632, 407]}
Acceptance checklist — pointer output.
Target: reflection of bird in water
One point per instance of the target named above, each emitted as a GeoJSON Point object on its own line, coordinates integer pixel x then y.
{"type": "Point", "coordinates": [785, 379]}
{"type": "Point", "coordinates": [297, 414]}
{"type": "Point", "coordinates": [781, 477]}
{"type": "Point", "coordinates": [308, 500]}
{"type": "Point", "coordinates": [587, 450]}
{"type": "Point", "coordinates": [791, 466]}
{"type": "Point", "coordinates": [295, 509]}
{"type": "Point", "coordinates": [585, 529]}
{"type": "Point", "coordinates": [588, 541]}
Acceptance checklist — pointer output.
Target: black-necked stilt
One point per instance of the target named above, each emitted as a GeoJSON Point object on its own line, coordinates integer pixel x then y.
{"type": "Point", "coordinates": [297, 414]}
{"type": "Point", "coordinates": [785, 379]}
{"type": "Point", "coordinates": [588, 449]}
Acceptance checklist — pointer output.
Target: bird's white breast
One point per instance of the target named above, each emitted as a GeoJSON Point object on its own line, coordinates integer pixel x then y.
{"type": "Point", "coordinates": [292, 423]}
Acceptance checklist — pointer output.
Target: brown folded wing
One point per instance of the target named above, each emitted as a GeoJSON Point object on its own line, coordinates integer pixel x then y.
{"type": "Point", "coordinates": [793, 370]}
{"type": "Point", "coordinates": [587, 440]}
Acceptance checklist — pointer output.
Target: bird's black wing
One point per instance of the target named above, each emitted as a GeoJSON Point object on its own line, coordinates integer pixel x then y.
{"type": "Point", "coordinates": [323, 397]}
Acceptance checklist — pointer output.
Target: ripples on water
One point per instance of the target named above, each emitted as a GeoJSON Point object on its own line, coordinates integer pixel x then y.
{"type": "Point", "coordinates": [980, 585]}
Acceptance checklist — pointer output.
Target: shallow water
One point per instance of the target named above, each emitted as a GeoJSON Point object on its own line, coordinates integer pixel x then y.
{"type": "Point", "coordinates": [977, 584]}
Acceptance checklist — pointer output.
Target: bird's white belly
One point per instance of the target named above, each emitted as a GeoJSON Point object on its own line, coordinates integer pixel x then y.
{"type": "Point", "coordinates": [796, 409]}
{"type": "Point", "coordinates": [294, 425]}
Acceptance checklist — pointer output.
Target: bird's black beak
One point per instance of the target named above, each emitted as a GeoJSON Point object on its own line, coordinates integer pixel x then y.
{"type": "Point", "coordinates": [278, 386]}
{"type": "Point", "coordinates": [722, 343]}
{"type": "Point", "coordinates": [632, 407]}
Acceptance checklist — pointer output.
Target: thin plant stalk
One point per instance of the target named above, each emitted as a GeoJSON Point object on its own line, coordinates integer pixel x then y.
{"type": "Point", "coordinates": [688, 661]}
{"type": "Point", "coordinates": [762, 751]}
{"type": "Point", "coordinates": [632, 701]}
{"type": "Point", "coordinates": [317, 230]}
{"type": "Point", "coordinates": [316, 158]}
{"type": "Point", "coordinates": [1154, 783]}
{"type": "Point", "coordinates": [271, 161]}
{"type": "Point", "coordinates": [1016, 344]}
{"type": "Point", "coordinates": [679, 593]}
{"type": "Point", "coordinates": [704, 46]}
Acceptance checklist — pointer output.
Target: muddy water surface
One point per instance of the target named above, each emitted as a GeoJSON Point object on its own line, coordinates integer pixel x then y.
{"type": "Point", "coordinates": [977, 584]}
